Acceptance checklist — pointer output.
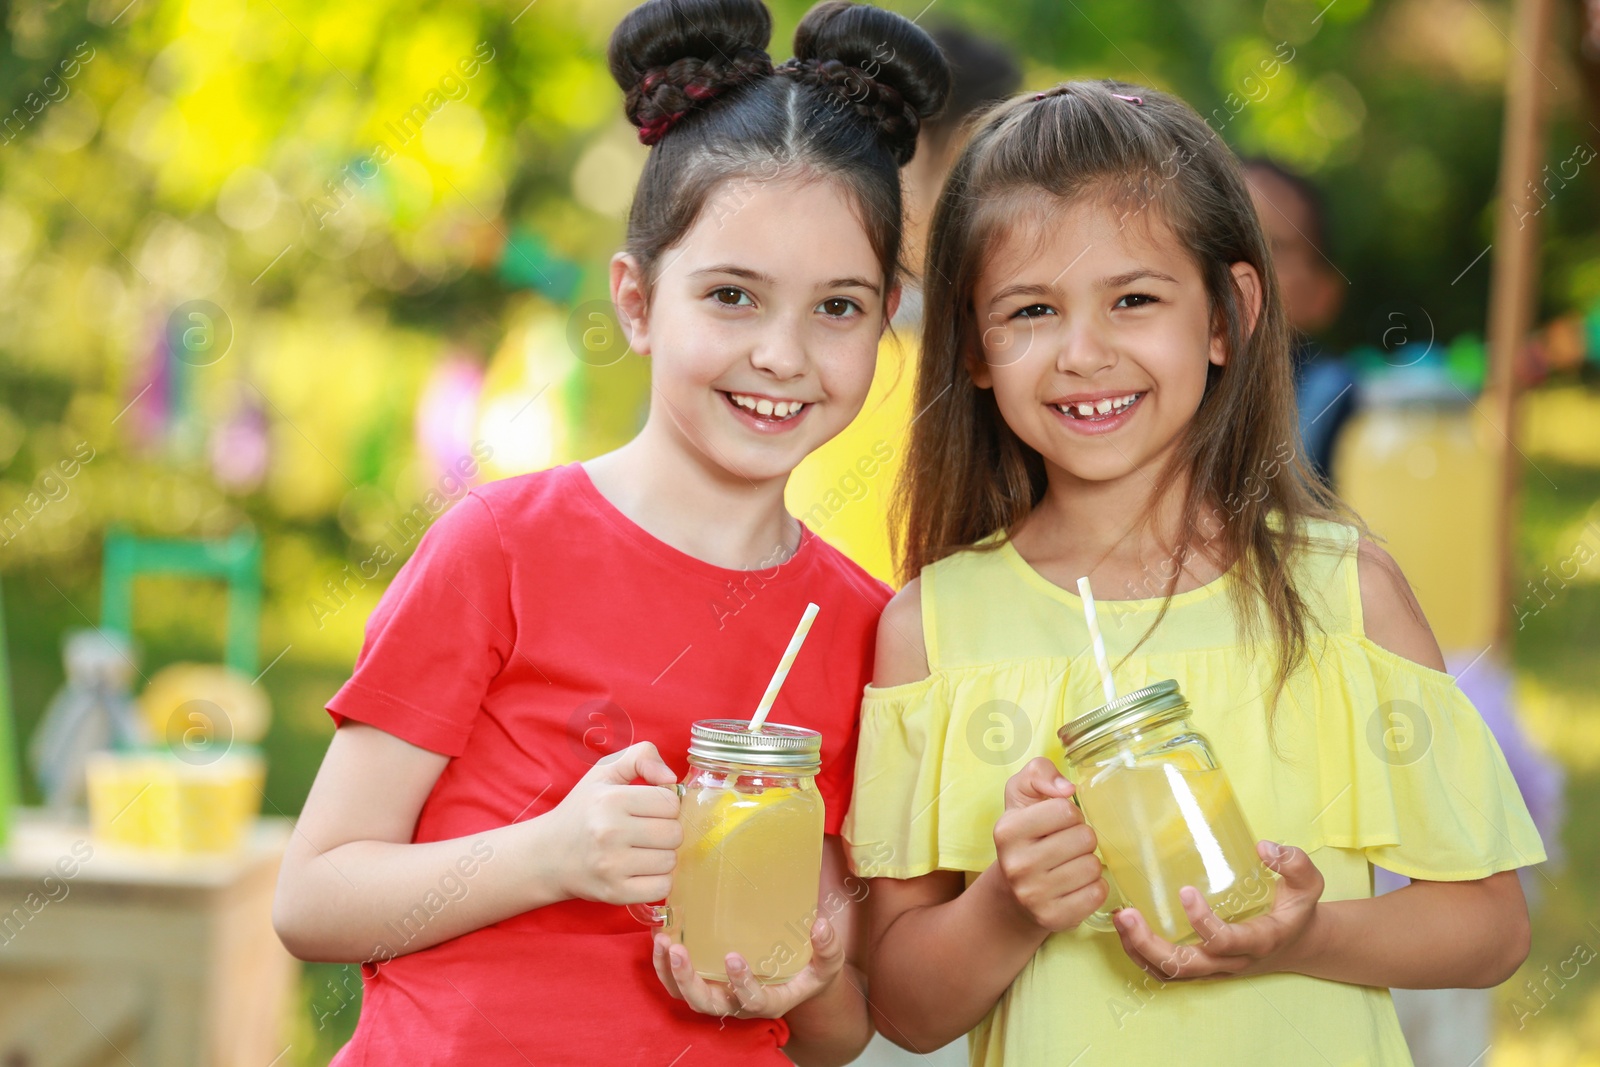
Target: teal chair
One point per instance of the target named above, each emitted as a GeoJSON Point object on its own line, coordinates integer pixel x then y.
{"type": "Point", "coordinates": [236, 560]}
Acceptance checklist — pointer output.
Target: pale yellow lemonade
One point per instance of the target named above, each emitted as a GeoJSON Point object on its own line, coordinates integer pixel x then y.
{"type": "Point", "coordinates": [747, 877]}
{"type": "Point", "coordinates": [1166, 824]}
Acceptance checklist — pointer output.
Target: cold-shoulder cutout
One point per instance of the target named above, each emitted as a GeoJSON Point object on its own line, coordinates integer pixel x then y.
{"type": "Point", "coordinates": [1390, 616]}
{"type": "Point", "coordinates": [902, 655]}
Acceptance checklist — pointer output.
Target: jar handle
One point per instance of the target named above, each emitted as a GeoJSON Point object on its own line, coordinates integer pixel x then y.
{"type": "Point", "coordinates": [1100, 922]}
{"type": "Point", "coordinates": [657, 915]}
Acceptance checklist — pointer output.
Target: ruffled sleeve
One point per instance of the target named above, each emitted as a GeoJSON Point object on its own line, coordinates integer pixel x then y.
{"type": "Point", "coordinates": [933, 762]}
{"type": "Point", "coordinates": [1410, 774]}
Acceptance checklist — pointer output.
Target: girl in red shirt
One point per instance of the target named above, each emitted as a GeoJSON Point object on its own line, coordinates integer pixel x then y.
{"type": "Point", "coordinates": [463, 839]}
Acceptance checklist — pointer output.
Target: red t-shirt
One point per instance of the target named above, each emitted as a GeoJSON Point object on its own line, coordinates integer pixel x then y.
{"type": "Point", "coordinates": [536, 628]}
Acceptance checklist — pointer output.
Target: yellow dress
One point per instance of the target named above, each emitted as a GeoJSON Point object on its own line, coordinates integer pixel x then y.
{"type": "Point", "coordinates": [842, 489]}
{"type": "Point", "coordinates": [1371, 759]}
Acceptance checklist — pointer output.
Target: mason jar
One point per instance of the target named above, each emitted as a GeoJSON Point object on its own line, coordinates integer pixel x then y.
{"type": "Point", "coordinates": [750, 866]}
{"type": "Point", "coordinates": [1165, 816]}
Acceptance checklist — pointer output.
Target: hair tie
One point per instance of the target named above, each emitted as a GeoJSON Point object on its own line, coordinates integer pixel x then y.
{"type": "Point", "coordinates": [1062, 90]}
{"type": "Point", "coordinates": [670, 92]}
{"type": "Point", "coordinates": [653, 131]}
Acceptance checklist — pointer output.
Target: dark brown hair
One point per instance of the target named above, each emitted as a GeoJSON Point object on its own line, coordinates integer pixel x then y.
{"type": "Point", "coordinates": [967, 475]}
{"type": "Point", "coordinates": [700, 86]}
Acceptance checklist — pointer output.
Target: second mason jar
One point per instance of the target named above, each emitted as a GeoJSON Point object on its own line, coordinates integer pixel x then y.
{"type": "Point", "coordinates": [1163, 812]}
{"type": "Point", "coordinates": [750, 864]}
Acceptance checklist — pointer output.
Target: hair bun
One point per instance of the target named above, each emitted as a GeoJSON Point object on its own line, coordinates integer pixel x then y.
{"type": "Point", "coordinates": [671, 56]}
{"type": "Point", "coordinates": [880, 63]}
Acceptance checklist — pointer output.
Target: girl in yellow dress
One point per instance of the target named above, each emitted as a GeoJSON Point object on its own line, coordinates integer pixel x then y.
{"type": "Point", "coordinates": [1108, 391]}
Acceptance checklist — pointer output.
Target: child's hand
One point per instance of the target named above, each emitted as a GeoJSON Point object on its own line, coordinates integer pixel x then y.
{"type": "Point", "coordinates": [1260, 945]}
{"type": "Point", "coordinates": [1046, 851]}
{"type": "Point", "coordinates": [614, 842]}
{"type": "Point", "coordinates": [743, 996]}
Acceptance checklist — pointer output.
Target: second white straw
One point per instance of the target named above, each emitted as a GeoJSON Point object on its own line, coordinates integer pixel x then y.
{"type": "Point", "coordinates": [771, 695]}
{"type": "Point", "coordinates": [1095, 639]}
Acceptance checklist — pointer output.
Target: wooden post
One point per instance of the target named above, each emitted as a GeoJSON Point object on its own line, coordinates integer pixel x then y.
{"type": "Point", "coordinates": [1514, 283]}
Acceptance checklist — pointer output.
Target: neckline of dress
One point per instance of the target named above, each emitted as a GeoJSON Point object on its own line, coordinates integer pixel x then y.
{"type": "Point", "coordinates": [1032, 576]}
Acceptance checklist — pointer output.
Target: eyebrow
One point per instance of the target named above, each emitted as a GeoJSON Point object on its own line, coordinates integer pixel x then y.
{"type": "Point", "coordinates": [767, 279]}
{"type": "Point", "coordinates": [737, 272]}
{"type": "Point", "coordinates": [1020, 289]}
{"type": "Point", "coordinates": [1116, 281]}
{"type": "Point", "coordinates": [1129, 277]}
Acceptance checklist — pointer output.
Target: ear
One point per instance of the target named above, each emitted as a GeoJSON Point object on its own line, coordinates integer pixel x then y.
{"type": "Point", "coordinates": [1247, 284]}
{"type": "Point", "coordinates": [978, 368]}
{"type": "Point", "coordinates": [890, 306]}
{"type": "Point", "coordinates": [630, 296]}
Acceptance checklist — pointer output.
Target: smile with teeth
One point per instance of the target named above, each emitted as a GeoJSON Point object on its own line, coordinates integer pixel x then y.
{"type": "Point", "coordinates": [1096, 410]}
{"type": "Point", "coordinates": [761, 407]}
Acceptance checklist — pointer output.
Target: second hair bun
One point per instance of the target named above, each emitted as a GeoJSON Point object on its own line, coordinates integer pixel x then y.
{"type": "Point", "coordinates": [877, 62]}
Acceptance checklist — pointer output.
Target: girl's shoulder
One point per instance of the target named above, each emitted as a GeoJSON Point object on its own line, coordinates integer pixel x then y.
{"type": "Point", "coordinates": [833, 567]}
{"type": "Point", "coordinates": [1325, 572]}
{"type": "Point", "coordinates": [1362, 592]}
{"type": "Point", "coordinates": [536, 494]}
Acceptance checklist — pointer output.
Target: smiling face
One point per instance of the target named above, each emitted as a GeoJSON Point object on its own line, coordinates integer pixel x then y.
{"type": "Point", "coordinates": [762, 325]}
{"type": "Point", "coordinates": [1096, 336]}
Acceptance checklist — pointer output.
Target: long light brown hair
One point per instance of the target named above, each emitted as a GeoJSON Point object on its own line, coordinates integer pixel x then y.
{"type": "Point", "coordinates": [968, 476]}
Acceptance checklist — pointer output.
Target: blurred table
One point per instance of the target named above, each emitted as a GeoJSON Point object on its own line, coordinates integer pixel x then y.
{"type": "Point", "coordinates": [138, 959]}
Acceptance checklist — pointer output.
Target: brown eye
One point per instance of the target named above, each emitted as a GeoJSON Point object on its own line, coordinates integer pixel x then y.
{"type": "Point", "coordinates": [1033, 311]}
{"type": "Point", "coordinates": [729, 296]}
{"type": "Point", "coordinates": [838, 307]}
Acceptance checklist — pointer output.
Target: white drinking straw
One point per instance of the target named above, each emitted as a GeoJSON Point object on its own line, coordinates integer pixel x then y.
{"type": "Point", "coordinates": [770, 697]}
{"type": "Point", "coordinates": [1094, 637]}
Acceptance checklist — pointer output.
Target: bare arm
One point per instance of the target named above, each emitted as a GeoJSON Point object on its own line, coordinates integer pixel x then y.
{"type": "Point", "coordinates": [940, 958]}
{"type": "Point", "coordinates": [354, 888]}
{"type": "Point", "coordinates": [1427, 935]}
{"type": "Point", "coordinates": [941, 955]}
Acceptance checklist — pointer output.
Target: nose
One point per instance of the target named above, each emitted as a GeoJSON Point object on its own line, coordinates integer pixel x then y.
{"type": "Point", "coordinates": [780, 350]}
{"type": "Point", "coordinates": [1084, 351]}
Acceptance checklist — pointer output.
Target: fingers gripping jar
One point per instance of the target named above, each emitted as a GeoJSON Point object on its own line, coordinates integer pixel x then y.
{"type": "Point", "coordinates": [749, 868]}
{"type": "Point", "coordinates": [1163, 811]}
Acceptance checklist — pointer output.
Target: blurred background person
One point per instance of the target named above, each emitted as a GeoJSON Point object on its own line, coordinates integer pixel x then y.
{"type": "Point", "coordinates": [842, 490]}
{"type": "Point", "coordinates": [1442, 1027]}
{"type": "Point", "coordinates": [1313, 295]}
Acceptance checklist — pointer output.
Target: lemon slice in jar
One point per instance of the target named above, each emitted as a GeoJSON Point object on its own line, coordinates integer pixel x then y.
{"type": "Point", "coordinates": [731, 809]}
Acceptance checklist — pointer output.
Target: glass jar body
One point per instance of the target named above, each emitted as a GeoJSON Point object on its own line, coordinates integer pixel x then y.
{"type": "Point", "coordinates": [1165, 817]}
{"type": "Point", "coordinates": [748, 870]}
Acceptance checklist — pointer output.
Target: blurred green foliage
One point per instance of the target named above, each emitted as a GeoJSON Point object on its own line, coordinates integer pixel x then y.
{"type": "Point", "coordinates": [357, 208]}
{"type": "Point", "coordinates": [362, 192]}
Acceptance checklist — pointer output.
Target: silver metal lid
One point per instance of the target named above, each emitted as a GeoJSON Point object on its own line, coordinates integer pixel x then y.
{"type": "Point", "coordinates": [1124, 711]}
{"type": "Point", "coordinates": [774, 745]}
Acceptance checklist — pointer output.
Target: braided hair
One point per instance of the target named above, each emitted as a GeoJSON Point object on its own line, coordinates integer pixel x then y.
{"type": "Point", "coordinates": [703, 91]}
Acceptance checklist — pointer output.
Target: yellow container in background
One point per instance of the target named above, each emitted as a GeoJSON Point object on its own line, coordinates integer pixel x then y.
{"type": "Point", "coordinates": [1426, 478]}
{"type": "Point", "coordinates": [155, 801]}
